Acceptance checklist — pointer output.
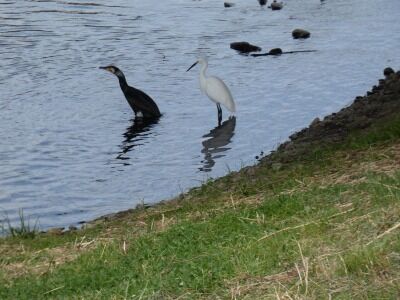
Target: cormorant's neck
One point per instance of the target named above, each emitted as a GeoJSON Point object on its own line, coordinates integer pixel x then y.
{"type": "Point", "coordinates": [122, 80]}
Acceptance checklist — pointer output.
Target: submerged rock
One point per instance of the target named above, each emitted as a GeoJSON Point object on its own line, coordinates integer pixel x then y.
{"type": "Point", "coordinates": [244, 47]}
{"type": "Point", "coordinates": [278, 51]}
{"type": "Point", "coordinates": [228, 4]}
{"type": "Point", "coordinates": [300, 34]}
{"type": "Point", "coordinates": [275, 51]}
{"type": "Point", "coordinates": [262, 2]}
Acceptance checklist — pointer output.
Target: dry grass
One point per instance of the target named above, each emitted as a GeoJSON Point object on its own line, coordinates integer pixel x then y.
{"type": "Point", "coordinates": [306, 276]}
{"type": "Point", "coordinates": [322, 267]}
{"type": "Point", "coordinates": [274, 286]}
{"type": "Point", "coordinates": [318, 267]}
{"type": "Point", "coordinates": [46, 260]}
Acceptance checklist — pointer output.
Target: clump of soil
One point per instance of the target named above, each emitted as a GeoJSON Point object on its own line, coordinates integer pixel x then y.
{"type": "Point", "coordinates": [382, 102]}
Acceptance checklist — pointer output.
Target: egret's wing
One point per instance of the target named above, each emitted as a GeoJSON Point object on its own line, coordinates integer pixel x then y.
{"type": "Point", "coordinates": [218, 92]}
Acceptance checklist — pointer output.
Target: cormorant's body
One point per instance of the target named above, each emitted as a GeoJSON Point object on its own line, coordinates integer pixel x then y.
{"type": "Point", "coordinates": [140, 102]}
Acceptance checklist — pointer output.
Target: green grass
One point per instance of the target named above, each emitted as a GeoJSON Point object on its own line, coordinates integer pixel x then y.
{"type": "Point", "coordinates": [322, 226]}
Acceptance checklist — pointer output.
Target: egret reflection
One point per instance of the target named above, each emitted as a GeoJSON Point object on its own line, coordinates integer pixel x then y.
{"type": "Point", "coordinates": [215, 144]}
{"type": "Point", "coordinates": [135, 134]}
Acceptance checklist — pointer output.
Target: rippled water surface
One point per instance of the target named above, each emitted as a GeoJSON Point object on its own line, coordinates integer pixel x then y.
{"type": "Point", "coordinates": [69, 149]}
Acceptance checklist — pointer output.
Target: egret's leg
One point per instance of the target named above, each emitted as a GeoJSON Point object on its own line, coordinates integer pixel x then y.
{"type": "Point", "coordinates": [219, 114]}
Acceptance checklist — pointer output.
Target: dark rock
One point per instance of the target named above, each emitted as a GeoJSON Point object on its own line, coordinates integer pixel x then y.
{"type": "Point", "coordinates": [72, 228]}
{"type": "Point", "coordinates": [276, 5]}
{"type": "Point", "coordinates": [294, 136]}
{"type": "Point", "coordinates": [376, 88]}
{"type": "Point", "coordinates": [358, 99]}
{"type": "Point", "coordinates": [300, 34]}
{"type": "Point", "coordinates": [282, 146]}
{"type": "Point", "coordinates": [275, 51]}
{"type": "Point", "coordinates": [228, 4]}
{"type": "Point", "coordinates": [388, 71]}
{"type": "Point", "coordinates": [315, 122]}
{"type": "Point", "coordinates": [262, 2]}
{"type": "Point", "coordinates": [244, 47]}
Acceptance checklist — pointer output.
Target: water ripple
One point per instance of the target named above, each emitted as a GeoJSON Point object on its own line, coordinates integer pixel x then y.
{"type": "Point", "coordinates": [69, 148]}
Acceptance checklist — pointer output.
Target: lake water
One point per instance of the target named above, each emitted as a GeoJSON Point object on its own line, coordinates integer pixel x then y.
{"type": "Point", "coordinates": [69, 149]}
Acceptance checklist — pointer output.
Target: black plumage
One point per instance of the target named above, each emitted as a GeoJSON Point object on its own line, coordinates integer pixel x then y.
{"type": "Point", "coordinates": [141, 103]}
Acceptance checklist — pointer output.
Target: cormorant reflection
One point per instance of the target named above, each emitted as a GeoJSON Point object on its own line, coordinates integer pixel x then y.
{"type": "Point", "coordinates": [134, 135]}
{"type": "Point", "coordinates": [214, 146]}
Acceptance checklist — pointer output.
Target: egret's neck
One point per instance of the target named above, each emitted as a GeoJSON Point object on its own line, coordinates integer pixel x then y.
{"type": "Point", "coordinates": [203, 76]}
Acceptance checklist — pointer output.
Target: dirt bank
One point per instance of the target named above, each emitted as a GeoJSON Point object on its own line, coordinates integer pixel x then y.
{"type": "Point", "coordinates": [382, 102]}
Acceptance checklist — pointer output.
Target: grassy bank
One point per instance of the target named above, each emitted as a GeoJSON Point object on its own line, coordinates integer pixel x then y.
{"type": "Point", "coordinates": [324, 224]}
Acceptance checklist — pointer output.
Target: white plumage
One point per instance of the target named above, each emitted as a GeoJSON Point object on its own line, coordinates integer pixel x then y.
{"type": "Point", "coordinates": [215, 89]}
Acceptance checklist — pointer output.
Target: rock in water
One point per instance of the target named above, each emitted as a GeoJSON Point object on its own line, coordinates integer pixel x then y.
{"type": "Point", "coordinates": [262, 2]}
{"type": "Point", "coordinates": [276, 5]}
{"type": "Point", "coordinates": [388, 71]}
{"type": "Point", "coordinates": [228, 4]}
{"type": "Point", "coordinates": [275, 51]}
{"type": "Point", "coordinates": [300, 34]}
{"type": "Point", "coordinates": [244, 47]}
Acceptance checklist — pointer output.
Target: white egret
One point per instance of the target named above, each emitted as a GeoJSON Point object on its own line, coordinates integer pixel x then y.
{"type": "Point", "coordinates": [215, 89]}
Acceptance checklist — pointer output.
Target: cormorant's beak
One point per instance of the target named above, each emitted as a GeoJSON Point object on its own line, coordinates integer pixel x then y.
{"type": "Point", "coordinates": [105, 68]}
{"type": "Point", "coordinates": [192, 65]}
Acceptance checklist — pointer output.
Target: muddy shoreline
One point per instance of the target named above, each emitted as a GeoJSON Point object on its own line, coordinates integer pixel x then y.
{"type": "Point", "coordinates": [380, 103]}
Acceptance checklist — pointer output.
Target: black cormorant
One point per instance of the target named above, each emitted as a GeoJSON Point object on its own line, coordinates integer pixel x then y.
{"type": "Point", "coordinates": [140, 102]}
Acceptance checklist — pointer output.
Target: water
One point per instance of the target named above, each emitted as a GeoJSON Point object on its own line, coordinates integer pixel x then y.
{"type": "Point", "coordinates": [69, 149]}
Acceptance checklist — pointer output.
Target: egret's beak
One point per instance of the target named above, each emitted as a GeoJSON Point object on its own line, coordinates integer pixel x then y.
{"type": "Point", "coordinates": [193, 65]}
